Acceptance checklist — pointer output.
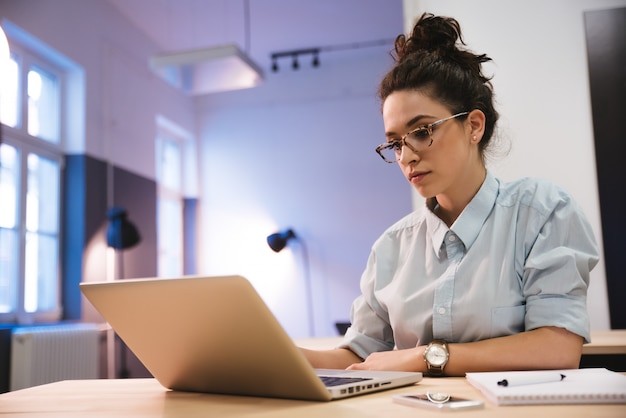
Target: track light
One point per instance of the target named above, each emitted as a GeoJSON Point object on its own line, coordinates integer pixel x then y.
{"type": "Point", "coordinates": [295, 63]}
{"type": "Point", "coordinates": [315, 62]}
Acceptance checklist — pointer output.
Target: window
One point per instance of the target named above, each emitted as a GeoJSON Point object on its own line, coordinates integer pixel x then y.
{"type": "Point", "coordinates": [170, 147]}
{"type": "Point", "coordinates": [9, 94]}
{"type": "Point", "coordinates": [31, 160]}
{"type": "Point", "coordinates": [43, 105]}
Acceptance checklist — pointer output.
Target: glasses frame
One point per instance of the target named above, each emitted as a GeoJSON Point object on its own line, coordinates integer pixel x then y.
{"type": "Point", "coordinates": [429, 128]}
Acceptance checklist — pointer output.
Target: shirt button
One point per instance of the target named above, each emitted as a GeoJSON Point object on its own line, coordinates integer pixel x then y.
{"type": "Point", "coordinates": [452, 238]}
{"type": "Point", "coordinates": [441, 311]}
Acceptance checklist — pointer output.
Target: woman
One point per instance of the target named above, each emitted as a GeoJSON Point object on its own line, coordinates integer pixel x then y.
{"type": "Point", "coordinates": [488, 275]}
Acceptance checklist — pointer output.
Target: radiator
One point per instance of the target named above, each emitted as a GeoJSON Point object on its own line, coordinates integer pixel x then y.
{"type": "Point", "coordinates": [45, 354]}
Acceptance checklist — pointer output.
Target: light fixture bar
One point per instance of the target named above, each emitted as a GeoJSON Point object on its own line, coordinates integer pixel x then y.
{"type": "Point", "coordinates": [315, 52]}
{"type": "Point", "coordinates": [295, 52]}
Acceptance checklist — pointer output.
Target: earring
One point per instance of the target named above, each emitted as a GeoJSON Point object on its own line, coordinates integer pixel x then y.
{"type": "Point", "coordinates": [474, 137]}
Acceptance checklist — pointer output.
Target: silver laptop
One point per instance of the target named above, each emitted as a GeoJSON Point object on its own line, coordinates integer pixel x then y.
{"type": "Point", "coordinates": [216, 335]}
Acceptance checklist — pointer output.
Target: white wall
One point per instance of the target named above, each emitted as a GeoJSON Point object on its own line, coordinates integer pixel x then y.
{"type": "Point", "coordinates": [299, 152]}
{"type": "Point", "coordinates": [542, 86]}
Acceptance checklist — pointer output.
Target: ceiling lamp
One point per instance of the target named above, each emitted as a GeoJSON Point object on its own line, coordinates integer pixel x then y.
{"type": "Point", "coordinates": [208, 70]}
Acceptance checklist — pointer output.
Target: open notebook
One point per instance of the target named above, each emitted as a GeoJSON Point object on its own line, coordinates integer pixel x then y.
{"type": "Point", "coordinates": [577, 386]}
{"type": "Point", "coordinates": [216, 335]}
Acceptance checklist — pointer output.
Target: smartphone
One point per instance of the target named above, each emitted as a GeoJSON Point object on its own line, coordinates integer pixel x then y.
{"type": "Point", "coordinates": [440, 401]}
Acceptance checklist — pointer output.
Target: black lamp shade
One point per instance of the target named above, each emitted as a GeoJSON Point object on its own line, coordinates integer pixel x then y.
{"type": "Point", "coordinates": [121, 233]}
{"type": "Point", "coordinates": [278, 241]}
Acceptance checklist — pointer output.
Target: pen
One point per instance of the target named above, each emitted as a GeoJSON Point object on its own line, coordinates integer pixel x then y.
{"type": "Point", "coordinates": [532, 379]}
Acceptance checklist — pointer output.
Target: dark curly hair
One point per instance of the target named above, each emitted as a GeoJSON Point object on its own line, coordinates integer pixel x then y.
{"type": "Point", "coordinates": [434, 61]}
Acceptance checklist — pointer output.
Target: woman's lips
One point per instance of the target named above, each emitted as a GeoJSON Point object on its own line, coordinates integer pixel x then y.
{"type": "Point", "coordinates": [417, 176]}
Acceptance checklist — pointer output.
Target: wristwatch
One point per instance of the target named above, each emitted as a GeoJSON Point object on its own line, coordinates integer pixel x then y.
{"type": "Point", "coordinates": [436, 356]}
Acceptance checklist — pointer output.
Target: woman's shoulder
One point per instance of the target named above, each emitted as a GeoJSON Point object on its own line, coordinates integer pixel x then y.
{"type": "Point", "coordinates": [409, 221]}
{"type": "Point", "coordinates": [403, 229]}
{"type": "Point", "coordinates": [540, 194]}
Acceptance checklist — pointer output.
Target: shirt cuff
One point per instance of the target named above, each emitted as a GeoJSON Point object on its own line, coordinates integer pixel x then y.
{"type": "Point", "coordinates": [361, 344]}
{"type": "Point", "coordinates": [559, 311]}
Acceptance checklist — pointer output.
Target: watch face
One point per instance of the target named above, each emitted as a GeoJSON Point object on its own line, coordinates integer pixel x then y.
{"type": "Point", "coordinates": [437, 355]}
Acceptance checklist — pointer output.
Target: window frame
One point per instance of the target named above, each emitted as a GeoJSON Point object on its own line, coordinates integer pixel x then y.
{"type": "Point", "coordinates": [167, 131]}
{"type": "Point", "coordinates": [26, 144]}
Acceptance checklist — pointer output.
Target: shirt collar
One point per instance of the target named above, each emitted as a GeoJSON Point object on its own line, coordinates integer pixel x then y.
{"type": "Point", "coordinates": [436, 228]}
{"type": "Point", "coordinates": [468, 225]}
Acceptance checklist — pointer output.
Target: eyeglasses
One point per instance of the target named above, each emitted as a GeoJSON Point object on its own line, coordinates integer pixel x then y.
{"type": "Point", "coordinates": [417, 140]}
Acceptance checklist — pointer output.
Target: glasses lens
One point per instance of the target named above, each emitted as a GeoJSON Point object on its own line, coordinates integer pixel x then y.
{"type": "Point", "coordinates": [416, 140]}
{"type": "Point", "coordinates": [419, 139]}
{"type": "Point", "coordinates": [391, 151]}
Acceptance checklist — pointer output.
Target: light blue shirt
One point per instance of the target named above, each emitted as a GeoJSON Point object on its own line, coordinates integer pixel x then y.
{"type": "Point", "coordinates": [517, 258]}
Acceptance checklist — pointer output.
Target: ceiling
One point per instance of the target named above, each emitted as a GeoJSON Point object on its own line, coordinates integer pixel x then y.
{"type": "Point", "coordinates": [263, 27]}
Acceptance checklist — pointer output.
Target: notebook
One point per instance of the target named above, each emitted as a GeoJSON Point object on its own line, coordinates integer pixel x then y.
{"type": "Point", "coordinates": [216, 335]}
{"type": "Point", "coordinates": [578, 386]}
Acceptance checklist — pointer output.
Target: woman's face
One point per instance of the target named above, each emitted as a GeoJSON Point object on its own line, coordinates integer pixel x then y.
{"type": "Point", "coordinates": [449, 163]}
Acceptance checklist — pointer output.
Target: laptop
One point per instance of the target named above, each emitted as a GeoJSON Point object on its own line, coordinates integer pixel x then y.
{"type": "Point", "coordinates": [216, 335]}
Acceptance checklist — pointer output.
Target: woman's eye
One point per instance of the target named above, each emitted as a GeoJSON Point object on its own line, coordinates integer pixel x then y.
{"type": "Point", "coordinates": [421, 134]}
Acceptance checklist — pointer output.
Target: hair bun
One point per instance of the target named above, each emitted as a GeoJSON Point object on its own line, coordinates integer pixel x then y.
{"type": "Point", "coordinates": [431, 33]}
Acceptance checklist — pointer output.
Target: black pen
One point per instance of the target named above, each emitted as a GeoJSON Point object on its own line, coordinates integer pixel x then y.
{"type": "Point", "coordinates": [532, 378]}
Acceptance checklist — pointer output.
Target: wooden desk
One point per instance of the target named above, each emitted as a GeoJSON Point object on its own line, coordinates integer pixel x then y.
{"type": "Point", "coordinates": [606, 342]}
{"type": "Point", "coordinates": [146, 398]}
{"type": "Point", "coordinates": [607, 349]}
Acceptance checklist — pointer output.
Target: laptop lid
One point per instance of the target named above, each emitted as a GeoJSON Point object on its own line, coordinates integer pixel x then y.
{"type": "Point", "coordinates": [214, 335]}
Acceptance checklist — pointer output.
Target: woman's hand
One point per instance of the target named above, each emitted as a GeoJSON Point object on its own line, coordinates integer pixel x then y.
{"type": "Point", "coordinates": [411, 359]}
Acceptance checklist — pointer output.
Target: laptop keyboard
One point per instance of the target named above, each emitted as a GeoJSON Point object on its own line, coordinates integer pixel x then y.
{"type": "Point", "coordinates": [336, 381]}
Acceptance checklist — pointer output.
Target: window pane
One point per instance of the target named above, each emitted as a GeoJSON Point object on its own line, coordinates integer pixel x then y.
{"type": "Point", "coordinates": [42, 198]}
{"type": "Point", "coordinates": [9, 97]}
{"type": "Point", "coordinates": [170, 237]}
{"type": "Point", "coordinates": [9, 185]}
{"type": "Point", "coordinates": [9, 251]}
{"type": "Point", "coordinates": [42, 246]}
{"type": "Point", "coordinates": [171, 165]}
{"type": "Point", "coordinates": [40, 291]}
{"type": "Point", "coordinates": [43, 105]}
{"type": "Point", "coordinates": [8, 270]}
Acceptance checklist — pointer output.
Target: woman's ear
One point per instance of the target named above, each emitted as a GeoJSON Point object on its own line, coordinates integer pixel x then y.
{"type": "Point", "coordinates": [476, 120]}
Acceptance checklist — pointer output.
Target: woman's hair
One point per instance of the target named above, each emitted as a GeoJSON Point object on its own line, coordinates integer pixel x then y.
{"type": "Point", "coordinates": [433, 60]}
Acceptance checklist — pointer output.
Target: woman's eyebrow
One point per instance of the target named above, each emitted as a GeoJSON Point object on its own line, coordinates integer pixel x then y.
{"type": "Point", "coordinates": [409, 124]}
{"type": "Point", "coordinates": [416, 119]}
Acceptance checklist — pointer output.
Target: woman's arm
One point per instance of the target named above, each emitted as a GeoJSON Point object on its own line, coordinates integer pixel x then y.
{"type": "Point", "coordinates": [338, 358]}
{"type": "Point", "coordinates": [542, 348]}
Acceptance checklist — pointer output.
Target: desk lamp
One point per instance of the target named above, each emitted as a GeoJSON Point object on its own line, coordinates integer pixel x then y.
{"type": "Point", "coordinates": [121, 234]}
{"type": "Point", "coordinates": [278, 240]}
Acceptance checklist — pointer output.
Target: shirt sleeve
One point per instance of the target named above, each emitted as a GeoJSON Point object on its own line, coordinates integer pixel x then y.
{"type": "Point", "coordinates": [560, 257]}
{"type": "Point", "coordinates": [370, 330]}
